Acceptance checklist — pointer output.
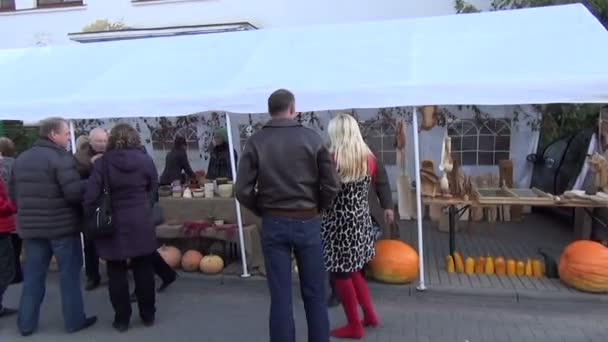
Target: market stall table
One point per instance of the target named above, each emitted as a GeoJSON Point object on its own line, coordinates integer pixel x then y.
{"type": "Point", "coordinates": [457, 206]}
{"type": "Point", "coordinates": [181, 211]}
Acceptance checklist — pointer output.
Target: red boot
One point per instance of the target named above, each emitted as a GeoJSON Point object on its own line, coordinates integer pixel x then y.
{"type": "Point", "coordinates": [370, 318]}
{"type": "Point", "coordinates": [353, 329]}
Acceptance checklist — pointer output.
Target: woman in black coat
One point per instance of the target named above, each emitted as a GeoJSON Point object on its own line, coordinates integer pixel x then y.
{"type": "Point", "coordinates": [177, 166]}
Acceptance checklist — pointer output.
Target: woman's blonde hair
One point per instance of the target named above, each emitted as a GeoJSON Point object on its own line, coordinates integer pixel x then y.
{"type": "Point", "coordinates": [348, 148]}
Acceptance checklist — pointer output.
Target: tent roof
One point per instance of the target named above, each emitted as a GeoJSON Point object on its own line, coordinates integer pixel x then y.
{"type": "Point", "coordinates": [542, 55]}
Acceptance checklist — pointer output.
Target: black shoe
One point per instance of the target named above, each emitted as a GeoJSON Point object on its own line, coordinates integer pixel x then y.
{"type": "Point", "coordinates": [133, 297]}
{"type": "Point", "coordinates": [4, 312]}
{"type": "Point", "coordinates": [92, 284]}
{"type": "Point", "coordinates": [17, 280]}
{"type": "Point", "coordinates": [120, 327]}
{"type": "Point", "coordinates": [148, 322]}
{"type": "Point", "coordinates": [88, 322]}
{"type": "Point", "coordinates": [333, 301]}
{"type": "Point", "coordinates": [26, 333]}
{"type": "Point", "coordinates": [166, 284]}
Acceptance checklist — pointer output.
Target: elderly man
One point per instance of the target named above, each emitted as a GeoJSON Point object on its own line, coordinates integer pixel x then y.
{"type": "Point", "coordinates": [48, 192]}
{"type": "Point", "coordinates": [86, 156]}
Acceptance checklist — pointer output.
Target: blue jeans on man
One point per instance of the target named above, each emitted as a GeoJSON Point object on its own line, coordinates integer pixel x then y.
{"type": "Point", "coordinates": [38, 253]}
{"type": "Point", "coordinates": [281, 237]}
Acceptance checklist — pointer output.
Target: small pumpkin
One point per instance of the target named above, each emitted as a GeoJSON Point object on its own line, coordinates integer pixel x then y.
{"type": "Point", "coordinates": [500, 266]}
{"type": "Point", "coordinates": [528, 268]}
{"type": "Point", "coordinates": [191, 260]}
{"type": "Point", "coordinates": [584, 266]}
{"type": "Point", "coordinates": [489, 266]}
{"type": "Point", "coordinates": [480, 266]}
{"type": "Point", "coordinates": [537, 268]}
{"type": "Point", "coordinates": [469, 267]}
{"type": "Point", "coordinates": [395, 262]}
{"type": "Point", "coordinates": [521, 269]}
{"type": "Point", "coordinates": [449, 262]}
{"type": "Point", "coordinates": [458, 262]}
{"type": "Point", "coordinates": [211, 264]}
{"type": "Point", "coordinates": [511, 268]}
{"type": "Point", "coordinates": [171, 255]}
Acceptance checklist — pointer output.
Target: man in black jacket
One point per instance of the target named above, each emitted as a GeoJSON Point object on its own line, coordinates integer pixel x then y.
{"type": "Point", "coordinates": [287, 176]}
{"type": "Point", "coordinates": [47, 190]}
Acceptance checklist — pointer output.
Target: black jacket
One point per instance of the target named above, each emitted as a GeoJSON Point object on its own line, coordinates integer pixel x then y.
{"type": "Point", "coordinates": [291, 168]}
{"type": "Point", "coordinates": [175, 162]}
{"type": "Point", "coordinates": [48, 192]}
{"type": "Point", "coordinates": [219, 162]}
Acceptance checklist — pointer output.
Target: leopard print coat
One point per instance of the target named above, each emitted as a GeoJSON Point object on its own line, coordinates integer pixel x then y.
{"type": "Point", "coordinates": [347, 231]}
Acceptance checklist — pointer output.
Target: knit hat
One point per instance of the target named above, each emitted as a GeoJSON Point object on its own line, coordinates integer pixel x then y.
{"type": "Point", "coordinates": [222, 133]}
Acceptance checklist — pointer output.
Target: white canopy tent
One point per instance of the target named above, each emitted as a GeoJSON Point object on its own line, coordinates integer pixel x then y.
{"type": "Point", "coordinates": [513, 57]}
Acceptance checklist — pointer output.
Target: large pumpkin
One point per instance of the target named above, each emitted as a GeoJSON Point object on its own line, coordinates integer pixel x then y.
{"type": "Point", "coordinates": [212, 264]}
{"type": "Point", "coordinates": [395, 262]}
{"type": "Point", "coordinates": [584, 266]}
{"type": "Point", "coordinates": [172, 255]}
{"type": "Point", "coordinates": [191, 260]}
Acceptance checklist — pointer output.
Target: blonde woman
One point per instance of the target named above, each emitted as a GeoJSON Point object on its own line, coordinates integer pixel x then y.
{"type": "Point", "coordinates": [347, 232]}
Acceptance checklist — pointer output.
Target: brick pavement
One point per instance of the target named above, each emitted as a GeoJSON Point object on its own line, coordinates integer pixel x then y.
{"type": "Point", "coordinates": [217, 309]}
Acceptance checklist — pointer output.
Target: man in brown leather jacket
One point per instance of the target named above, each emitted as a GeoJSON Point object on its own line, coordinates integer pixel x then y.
{"type": "Point", "coordinates": [287, 176]}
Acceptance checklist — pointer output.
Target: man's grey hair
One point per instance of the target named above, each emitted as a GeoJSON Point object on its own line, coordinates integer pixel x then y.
{"type": "Point", "coordinates": [51, 125]}
{"type": "Point", "coordinates": [97, 130]}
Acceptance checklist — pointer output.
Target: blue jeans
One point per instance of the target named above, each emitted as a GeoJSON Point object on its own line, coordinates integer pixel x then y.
{"type": "Point", "coordinates": [38, 253]}
{"type": "Point", "coordinates": [281, 237]}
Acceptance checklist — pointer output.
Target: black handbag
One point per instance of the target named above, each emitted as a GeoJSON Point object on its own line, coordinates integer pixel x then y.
{"type": "Point", "coordinates": [99, 223]}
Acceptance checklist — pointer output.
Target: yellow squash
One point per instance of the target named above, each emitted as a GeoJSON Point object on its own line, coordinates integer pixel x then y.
{"type": "Point", "coordinates": [511, 268]}
{"type": "Point", "coordinates": [469, 267]}
{"type": "Point", "coordinates": [480, 267]}
{"type": "Point", "coordinates": [537, 268]}
{"type": "Point", "coordinates": [449, 264]}
{"type": "Point", "coordinates": [528, 268]}
{"type": "Point", "coordinates": [458, 262]}
{"type": "Point", "coordinates": [501, 266]}
{"type": "Point", "coordinates": [521, 269]}
{"type": "Point", "coordinates": [489, 266]}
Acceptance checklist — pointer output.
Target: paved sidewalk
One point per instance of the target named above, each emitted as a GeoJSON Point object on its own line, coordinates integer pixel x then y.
{"type": "Point", "coordinates": [231, 309]}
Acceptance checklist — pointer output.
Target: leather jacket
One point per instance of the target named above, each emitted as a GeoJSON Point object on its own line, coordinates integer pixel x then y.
{"type": "Point", "coordinates": [286, 167]}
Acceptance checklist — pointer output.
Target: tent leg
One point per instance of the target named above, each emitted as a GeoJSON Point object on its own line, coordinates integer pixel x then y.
{"type": "Point", "coordinates": [421, 285]}
{"type": "Point", "coordinates": [72, 136]}
{"type": "Point", "coordinates": [239, 216]}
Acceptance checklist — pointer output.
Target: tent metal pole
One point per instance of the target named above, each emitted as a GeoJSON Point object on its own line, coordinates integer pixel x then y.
{"type": "Point", "coordinates": [72, 136]}
{"type": "Point", "coordinates": [421, 285]}
{"type": "Point", "coordinates": [239, 216]}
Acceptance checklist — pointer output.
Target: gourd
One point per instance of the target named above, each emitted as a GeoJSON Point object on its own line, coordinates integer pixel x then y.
{"type": "Point", "coordinates": [500, 266]}
{"type": "Point", "coordinates": [395, 262]}
{"type": "Point", "coordinates": [211, 264]}
{"type": "Point", "coordinates": [469, 266]}
{"type": "Point", "coordinates": [528, 268]}
{"type": "Point", "coordinates": [537, 268]}
{"type": "Point", "coordinates": [458, 262]}
{"type": "Point", "coordinates": [171, 255]}
{"type": "Point", "coordinates": [584, 266]}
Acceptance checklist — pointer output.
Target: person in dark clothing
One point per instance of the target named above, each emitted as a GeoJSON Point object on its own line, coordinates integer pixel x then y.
{"type": "Point", "coordinates": [86, 154]}
{"type": "Point", "coordinates": [132, 176]}
{"type": "Point", "coordinates": [176, 164]}
{"type": "Point", "coordinates": [7, 264]}
{"type": "Point", "coordinates": [7, 159]}
{"type": "Point", "coordinates": [47, 189]}
{"type": "Point", "coordinates": [381, 210]}
{"type": "Point", "coordinates": [287, 176]}
{"type": "Point", "coordinates": [219, 162]}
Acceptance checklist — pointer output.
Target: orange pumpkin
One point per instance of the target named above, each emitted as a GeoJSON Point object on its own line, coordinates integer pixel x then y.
{"type": "Point", "coordinates": [191, 261]}
{"type": "Point", "coordinates": [171, 255]}
{"type": "Point", "coordinates": [395, 262]}
{"type": "Point", "coordinates": [211, 264]}
{"type": "Point", "coordinates": [584, 266]}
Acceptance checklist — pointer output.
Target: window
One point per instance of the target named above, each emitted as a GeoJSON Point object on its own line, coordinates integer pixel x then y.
{"type": "Point", "coordinates": [7, 5]}
{"type": "Point", "coordinates": [163, 139]}
{"type": "Point", "coordinates": [484, 142]}
{"type": "Point", "coordinates": [59, 3]}
{"type": "Point", "coordinates": [379, 134]}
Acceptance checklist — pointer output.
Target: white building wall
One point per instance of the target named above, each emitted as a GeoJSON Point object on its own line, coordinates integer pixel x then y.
{"type": "Point", "coordinates": [27, 25]}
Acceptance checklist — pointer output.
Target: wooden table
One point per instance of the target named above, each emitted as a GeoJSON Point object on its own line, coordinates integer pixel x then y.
{"type": "Point", "coordinates": [584, 207]}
